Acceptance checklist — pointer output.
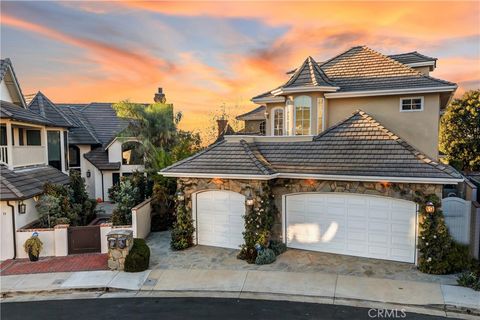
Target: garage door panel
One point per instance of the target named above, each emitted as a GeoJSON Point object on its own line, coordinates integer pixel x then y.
{"type": "Point", "coordinates": [361, 225]}
{"type": "Point", "coordinates": [220, 220]}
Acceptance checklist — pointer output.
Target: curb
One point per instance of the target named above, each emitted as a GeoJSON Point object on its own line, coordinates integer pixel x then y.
{"type": "Point", "coordinates": [422, 309]}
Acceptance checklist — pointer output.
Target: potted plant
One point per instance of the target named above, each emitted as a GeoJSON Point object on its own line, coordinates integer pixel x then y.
{"type": "Point", "coordinates": [33, 246]}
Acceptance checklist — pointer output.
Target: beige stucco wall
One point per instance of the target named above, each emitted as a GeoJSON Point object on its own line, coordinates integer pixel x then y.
{"type": "Point", "coordinates": [418, 128]}
{"type": "Point", "coordinates": [424, 70]}
{"type": "Point", "coordinates": [252, 126]}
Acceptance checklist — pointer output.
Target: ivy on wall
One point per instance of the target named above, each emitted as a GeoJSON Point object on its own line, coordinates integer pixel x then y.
{"type": "Point", "coordinates": [183, 229]}
{"type": "Point", "coordinates": [439, 253]}
{"type": "Point", "coordinates": [259, 222]}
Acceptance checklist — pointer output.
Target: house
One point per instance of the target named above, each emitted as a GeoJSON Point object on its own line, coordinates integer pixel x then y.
{"type": "Point", "coordinates": [347, 143]}
{"type": "Point", "coordinates": [32, 152]}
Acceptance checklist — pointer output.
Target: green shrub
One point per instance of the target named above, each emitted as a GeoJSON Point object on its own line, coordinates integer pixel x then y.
{"type": "Point", "coordinates": [469, 279]}
{"type": "Point", "coordinates": [278, 247]}
{"type": "Point", "coordinates": [139, 256]}
{"type": "Point", "coordinates": [265, 256]}
{"type": "Point", "coordinates": [459, 258]}
{"type": "Point", "coordinates": [183, 229]}
{"type": "Point", "coordinates": [126, 196]}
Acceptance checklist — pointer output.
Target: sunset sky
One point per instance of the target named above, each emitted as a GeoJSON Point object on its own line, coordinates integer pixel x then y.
{"type": "Point", "coordinates": [205, 54]}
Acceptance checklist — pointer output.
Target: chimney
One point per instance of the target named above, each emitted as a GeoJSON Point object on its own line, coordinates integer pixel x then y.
{"type": "Point", "coordinates": [222, 126]}
{"type": "Point", "coordinates": [160, 96]}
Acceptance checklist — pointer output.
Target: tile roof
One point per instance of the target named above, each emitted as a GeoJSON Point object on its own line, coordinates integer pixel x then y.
{"type": "Point", "coordinates": [12, 111]}
{"type": "Point", "coordinates": [25, 183]}
{"type": "Point", "coordinates": [358, 146]}
{"type": "Point", "coordinates": [99, 158]}
{"type": "Point", "coordinates": [41, 105]}
{"type": "Point", "coordinates": [310, 75]}
{"type": "Point", "coordinates": [4, 64]}
{"type": "Point", "coordinates": [363, 69]}
{"type": "Point", "coordinates": [255, 114]}
{"type": "Point", "coordinates": [104, 121]}
{"type": "Point", "coordinates": [82, 132]}
{"type": "Point", "coordinates": [412, 57]}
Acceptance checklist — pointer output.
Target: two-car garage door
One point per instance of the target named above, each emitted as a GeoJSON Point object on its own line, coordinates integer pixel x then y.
{"type": "Point", "coordinates": [343, 223]}
{"type": "Point", "coordinates": [352, 224]}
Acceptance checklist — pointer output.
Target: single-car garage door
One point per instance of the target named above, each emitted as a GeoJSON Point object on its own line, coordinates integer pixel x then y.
{"type": "Point", "coordinates": [219, 218]}
{"type": "Point", "coordinates": [352, 224]}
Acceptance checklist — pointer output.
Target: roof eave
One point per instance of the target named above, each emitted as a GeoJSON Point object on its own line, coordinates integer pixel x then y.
{"type": "Point", "coordinates": [352, 94]}
{"type": "Point", "coordinates": [268, 100]}
{"type": "Point", "coordinates": [281, 91]}
{"type": "Point", "coordinates": [314, 176]}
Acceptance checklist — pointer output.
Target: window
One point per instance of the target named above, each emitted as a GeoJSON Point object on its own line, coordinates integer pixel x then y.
{"type": "Point", "coordinates": [278, 122]}
{"type": "Point", "coordinates": [115, 178]}
{"type": "Point", "coordinates": [321, 113]}
{"type": "Point", "coordinates": [132, 153]}
{"type": "Point", "coordinates": [33, 138]}
{"type": "Point", "coordinates": [74, 156]}
{"type": "Point", "coordinates": [54, 153]}
{"type": "Point", "coordinates": [303, 106]}
{"type": "Point", "coordinates": [262, 128]}
{"type": "Point", "coordinates": [65, 149]}
{"type": "Point", "coordinates": [411, 104]}
{"type": "Point", "coordinates": [3, 135]}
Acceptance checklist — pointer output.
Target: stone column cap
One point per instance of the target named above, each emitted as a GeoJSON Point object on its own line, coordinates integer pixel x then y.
{"type": "Point", "coordinates": [120, 233]}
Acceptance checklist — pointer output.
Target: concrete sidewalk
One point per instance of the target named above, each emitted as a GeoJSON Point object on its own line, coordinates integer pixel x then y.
{"type": "Point", "coordinates": [308, 287]}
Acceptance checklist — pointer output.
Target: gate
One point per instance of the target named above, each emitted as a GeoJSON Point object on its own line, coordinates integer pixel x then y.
{"type": "Point", "coordinates": [84, 239]}
{"type": "Point", "coordinates": [457, 218]}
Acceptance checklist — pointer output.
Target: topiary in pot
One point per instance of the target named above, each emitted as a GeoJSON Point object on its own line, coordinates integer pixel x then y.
{"type": "Point", "coordinates": [265, 256]}
{"type": "Point", "coordinates": [33, 246]}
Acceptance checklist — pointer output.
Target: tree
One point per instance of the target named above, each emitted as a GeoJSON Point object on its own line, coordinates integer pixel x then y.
{"type": "Point", "coordinates": [460, 132]}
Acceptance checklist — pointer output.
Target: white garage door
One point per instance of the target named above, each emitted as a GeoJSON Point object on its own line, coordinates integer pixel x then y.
{"type": "Point", "coordinates": [352, 224]}
{"type": "Point", "coordinates": [220, 220]}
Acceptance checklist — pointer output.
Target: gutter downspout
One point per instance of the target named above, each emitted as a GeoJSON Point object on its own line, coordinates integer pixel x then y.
{"type": "Point", "coordinates": [14, 230]}
{"type": "Point", "coordinates": [103, 188]}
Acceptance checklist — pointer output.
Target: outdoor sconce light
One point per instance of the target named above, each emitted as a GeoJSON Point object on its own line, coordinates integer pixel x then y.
{"type": "Point", "coordinates": [180, 196]}
{"type": "Point", "coordinates": [35, 198]}
{"type": "Point", "coordinates": [249, 201]}
{"type": "Point", "coordinates": [429, 207]}
{"type": "Point", "coordinates": [88, 173]}
{"type": "Point", "coordinates": [22, 207]}
{"type": "Point", "coordinates": [112, 243]}
{"type": "Point", "coordinates": [122, 242]}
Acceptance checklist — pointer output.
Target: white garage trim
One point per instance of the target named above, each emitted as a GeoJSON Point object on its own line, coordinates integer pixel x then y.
{"type": "Point", "coordinates": [317, 245]}
{"type": "Point", "coordinates": [218, 218]}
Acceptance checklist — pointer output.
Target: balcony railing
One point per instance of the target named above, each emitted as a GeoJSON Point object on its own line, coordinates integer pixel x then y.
{"type": "Point", "coordinates": [3, 155]}
{"type": "Point", "coordinates": [28, 155]}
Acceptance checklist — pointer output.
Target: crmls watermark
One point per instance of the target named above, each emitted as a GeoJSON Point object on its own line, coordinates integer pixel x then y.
{"type": "Point", "coordinates": [387, 313]}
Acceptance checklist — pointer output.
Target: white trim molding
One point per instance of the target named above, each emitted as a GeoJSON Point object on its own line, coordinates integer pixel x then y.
{"type": "Point", "coordinates": [421, 64]}
{"type": "Point", "coordinates": [315, 177]}
{"type": "Point", "coordinates": [354, 94]}
{"type": "Point", "coordinates": [280, 91]}
{"type": "Point", "coordinates": [268, 100]}
{"type": "Point", "coordinates": [422, 103]}
{"type": "Point", "coordinates": [272, 121]}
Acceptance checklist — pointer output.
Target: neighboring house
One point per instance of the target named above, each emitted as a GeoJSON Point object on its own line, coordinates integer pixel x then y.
{"type": "Point", "coordinates": [342, 181]}
{"type": "Point", "coordinates": [254, 120]}
{"type": "Point", "coordinates": [32, 153]}
{"type": "Point", "coordinates": [94, 146]}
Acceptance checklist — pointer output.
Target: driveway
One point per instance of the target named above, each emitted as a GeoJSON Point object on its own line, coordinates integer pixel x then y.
{"type": "Point", "coordinates": [204, 257]}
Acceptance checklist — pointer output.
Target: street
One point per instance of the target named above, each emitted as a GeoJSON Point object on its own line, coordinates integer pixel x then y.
{"type": "Point", "coordinates": [191, 308]}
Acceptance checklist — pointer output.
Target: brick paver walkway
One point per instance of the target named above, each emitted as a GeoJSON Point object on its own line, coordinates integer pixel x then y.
{"type": "Point", "coordinates": [78, 262]}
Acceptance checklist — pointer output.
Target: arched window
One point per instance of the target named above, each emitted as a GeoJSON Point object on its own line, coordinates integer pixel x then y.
{"type": "Point", "coordinates": [277, 121]}
{"type": "Point", "coordinates": [132, 153]}
{"type": "Point", "coordinates": [74, 156]}
{"type": "Point", "coordinates": [262, 128]}
{"type": "Point", "coordinates": [303, 107]}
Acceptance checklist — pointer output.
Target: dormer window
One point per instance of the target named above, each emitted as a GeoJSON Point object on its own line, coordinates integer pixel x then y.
{"type": "Point", "coordinates": [278, 122]}
{"type": "Point", "coordinates": [411, 104]}
{"type": "Point", "coordinates": [303, 108]}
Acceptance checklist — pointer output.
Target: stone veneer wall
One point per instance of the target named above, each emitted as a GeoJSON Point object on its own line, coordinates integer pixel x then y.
{"type": "Point", "coordinates": [280, 187]}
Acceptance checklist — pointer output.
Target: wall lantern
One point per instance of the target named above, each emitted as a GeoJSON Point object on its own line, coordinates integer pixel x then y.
{"type": "Point", "coordinates": [22, 207]}
{"type": "Point", "coordinates": [89, 174]}
{"type": "Point", "coordinates": [180, 196]}
{"type": "Point", "coordinates": [429, 207]}
{"type": "Point", "coordinates": [249, 201]}
{"type": "Point", "coordinates": [36, 198]}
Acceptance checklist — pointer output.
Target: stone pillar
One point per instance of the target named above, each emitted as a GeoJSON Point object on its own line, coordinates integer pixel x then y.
{"type": "Point", "coordinates": [61, 240]}
{"type": "Point", "coordinates": [119, 244]}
